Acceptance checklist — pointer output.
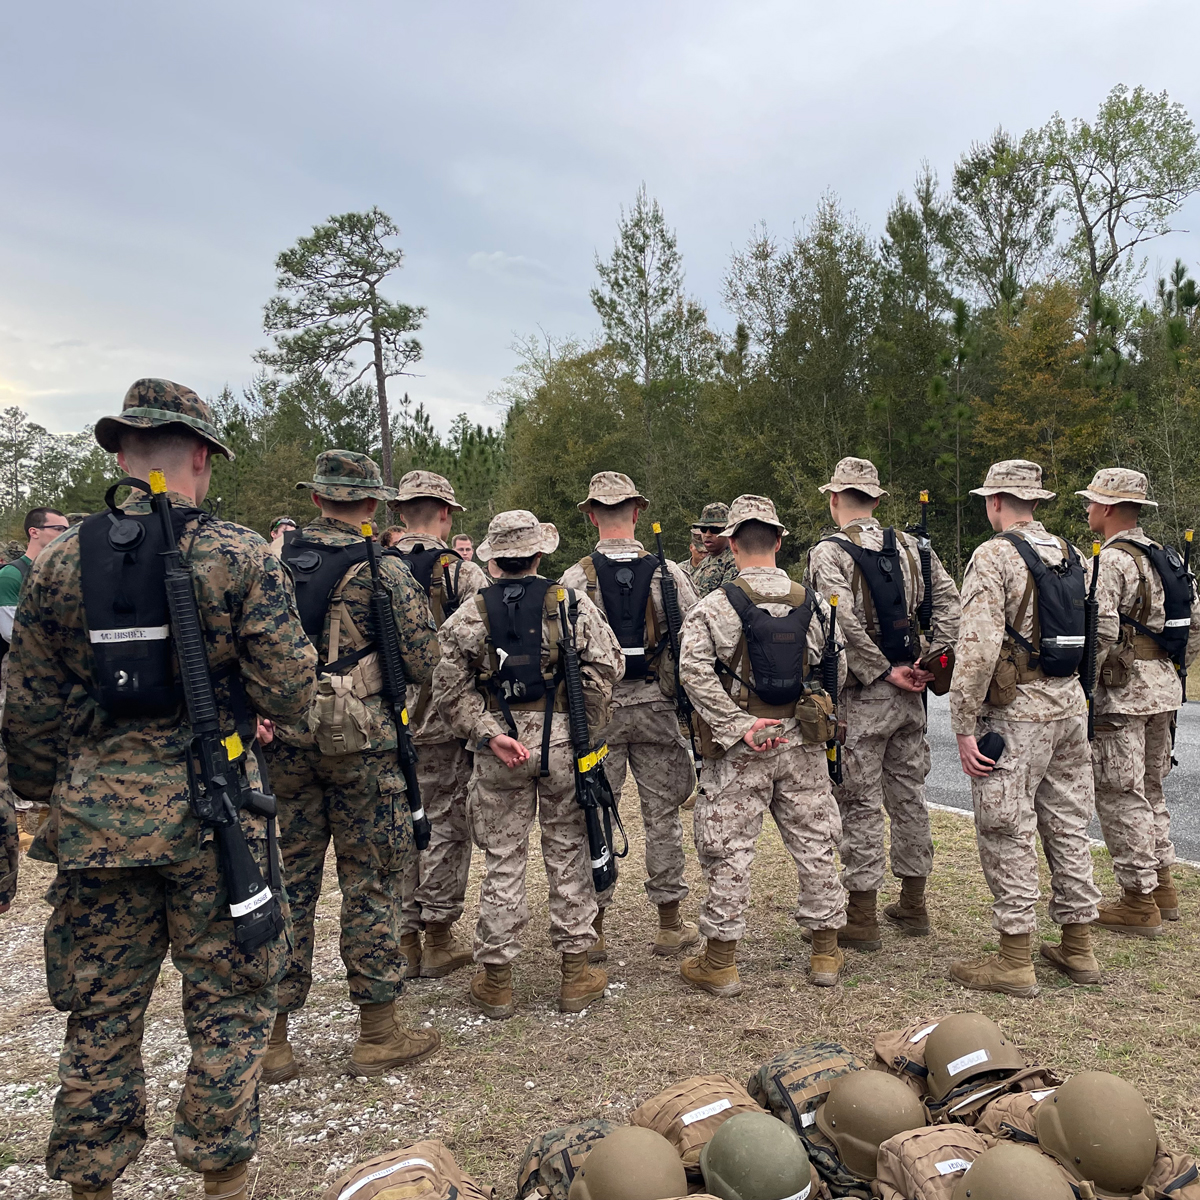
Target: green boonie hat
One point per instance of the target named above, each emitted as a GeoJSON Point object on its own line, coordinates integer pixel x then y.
{"type": "Point", "coordinates": [713, 516]}
{"type": "Point", "coordinates": [153, 402]}
{"type": "Point", "coordinates": [347, 475]}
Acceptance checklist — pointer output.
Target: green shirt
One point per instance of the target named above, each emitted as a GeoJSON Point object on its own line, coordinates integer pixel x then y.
{"type": "Point", "coordinates": [11, 579]}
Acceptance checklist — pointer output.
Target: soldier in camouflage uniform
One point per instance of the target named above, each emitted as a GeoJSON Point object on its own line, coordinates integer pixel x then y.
{"type": "Point", "coordinates": [508, 792]}
{"type": "Point", "coordinates": [696, 552]}
{"type": "Point", "coordinates": [783, 773]}
{"type": "Point", "coordinates": [717, 567]}
{"type": "Point", "coordinates": [437, 887]}
{"type": "Point", "coordinates": [1042, 782]}
{"type": "Point", "coordinates": [886, 757]}
{"type": "Point", "coordinates": [11, 850]}
{"type": "Point", "coordinates": [357, 800]}
{"type": "Point", "coordinates": [1137, 693]}
{"type": "Point", "coordinates": [137, 874]}
{"type": "Point", "coordinates": [644, 733]}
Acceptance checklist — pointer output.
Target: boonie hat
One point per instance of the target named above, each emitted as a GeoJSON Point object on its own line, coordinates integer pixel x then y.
{"type": "Point", "coordinates": [517, 534]}
{"type": "Point", "coordinates": [150, 403]}
{"type": "Point", "coordinates": [713, 516]}
{"type": "Point", "coordinates": [1017, 477]}
{"type": "Point", "coordinates": [857, 473]}
{"type": "Point", "coordinates": [347, 475]}
{"type": "Point", "coordinates": [752, 508]}
{"type": "Point", "coordinates": [1118, 485]}
{"type": "Point", "coordinates": [611, 487]}
{"type": "Point", "coordinates": [422, 485]}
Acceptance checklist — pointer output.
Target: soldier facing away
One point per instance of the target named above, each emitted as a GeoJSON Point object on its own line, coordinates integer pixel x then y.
{"type": "Point", "coordinates": [337, 774]}
{"type": "Point", "coordinates": [876, 575]}
{"type": "Point", "coordinates": [644, 735]}
{"type": "Point", "coordinates": [717, 566]}
{"type": "Point", "coordinates": [1042, 780]}
{"type": "Point", "coordinates": [137, 874]}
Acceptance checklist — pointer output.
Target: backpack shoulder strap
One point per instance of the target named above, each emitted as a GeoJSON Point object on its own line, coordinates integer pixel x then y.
{"type": "Point", "coordinates": [23, 566]}
{"type": "Point", "coordinates": [1141, 604]}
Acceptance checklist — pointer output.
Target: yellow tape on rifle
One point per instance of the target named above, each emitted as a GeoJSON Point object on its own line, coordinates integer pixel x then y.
{"type": "Point", "coordinates": [1187, 536]}
{"type": "Point", "coordinates": [233, 746]}
{"type": "Point", "coordinates": [588, 761]}
{"type": "Point", "coordinates": [404, 716]}
{"type": "Point", "coordinates": [158, 483]}
{"type": "Point", "coordinates": [656, 528]}
{"type": "Point", "coordinates": [833, 601]}
{"type": "Point", "coordinates": [924, 497]}
{"type": "Point", "coordinates": [365, 529]}
{"type": "Point", "coordinates": [1095, 547]}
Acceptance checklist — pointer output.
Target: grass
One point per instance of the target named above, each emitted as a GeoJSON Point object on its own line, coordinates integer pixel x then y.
{"type": "Point", "coordinates": [495, 1084]}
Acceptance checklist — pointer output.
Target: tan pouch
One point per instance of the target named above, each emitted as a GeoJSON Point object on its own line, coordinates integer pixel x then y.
{"type": "Point", "coordinates": [926, 1164]}
{"type": "Point", "coordinates": [814, 712]}
{"type": "Point", "coordinates": [337, 718]}
{"type": "Point", "coordinates": [901, 1052]}
{"type": "Point", "coordinates": [422, 1171]}
{"type": "Point", "coordinates": [1118, 664]}
{"type": "Point", "coordinates": [1012, 1117]}
{"type": "Point", "coordinates": [1174, 1176]}
{"type": "Point", "coordinates": [941, 667]}
{"type": "Point", "coordinates": [1002, 690]}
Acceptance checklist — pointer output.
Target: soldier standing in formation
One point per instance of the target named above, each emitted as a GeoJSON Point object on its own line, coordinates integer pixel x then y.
{"type": "Point", "coordinates": [876, 575]}
{"type": "Point", "coordinates": [434, 896]}
{"type": "Point", "coordinates": [498, 687]}
{"type": "Point", "coordinates": [337, 776]}
{"type": "Point", "coordinates": [717, 566]}
{"type": "Point", "coordinates": [625, 584]}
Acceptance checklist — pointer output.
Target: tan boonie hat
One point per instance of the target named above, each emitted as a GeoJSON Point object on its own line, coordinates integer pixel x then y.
{"type": "Point", "coordinates": [425, 485]}
{"type": "Point", "coordinates": [1118, 485]}
{"type": "Point", "coordinates": [517, 534]}
{"type": "Point", "coordinates": [611, 487]}
{"type": "Point", "coordinates": [1015, 477]}
{"type": "Point", "coordinates": [713, 516]}
{"type": "Point", "coordinates": [857, 473]}
{"type": "Point", "coordinates": [153, 402]}
{"type": "Point", "coordinates": [347, 475]}
{"type": "Point", "coordinates": [752, 508]}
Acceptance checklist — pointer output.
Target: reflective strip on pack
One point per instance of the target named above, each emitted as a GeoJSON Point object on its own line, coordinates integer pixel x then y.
{"type": "Point", "coordinates": [1178, 623]}
{"type": "Point", "coordinates": [951, 1165]}
{"type": "Point", "coordinates": [959, 1065]}
{"type": "Point", "coordinates": [922, 1034]}
{"type": "Point", "coordinates": [1064, 640]}
{"type": "Point", "coordinates": [418, 815]}
{"type": "Point", "coordinates": [633, 650]}
{"type": "Point", "coordinates": [144, 633]}
{"type": "Point", "coordinates": [976, 1096]}
{"type": "Point", "coordinates": [246, 906]}
{"type": "Point", "coordinates": [709, 1110]}
{"type": "Point", "coordinates": [597, 863]}
{"type": "Point", "coordinates": [383, 1173]}
{"type": "Point", "coordinates": [807, 1119]}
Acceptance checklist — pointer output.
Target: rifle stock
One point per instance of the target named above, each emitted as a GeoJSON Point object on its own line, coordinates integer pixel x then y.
{"type": "Point", "coordinates": [1091, 622]}
{"type": "Point", "coordinates": [829, 681]}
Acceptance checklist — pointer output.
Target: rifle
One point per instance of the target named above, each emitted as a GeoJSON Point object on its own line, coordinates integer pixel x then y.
{"type": "Point", "coordinates": [391, 664]}
{"type": "Point", "coordinates": [217, 787]}
{"type": "Point", "coordinates": [1091, 620]}
{"type": "Point", "coordinates": [1187, 558]}
{"type": "Point", "coordinates": [925, 553]}
{"type": "Point", "coordinates": [670, 599]}
{"type": "Point", "coordinates": [593, 792]}
{"type": "Point", "coordinates": [829, 681]}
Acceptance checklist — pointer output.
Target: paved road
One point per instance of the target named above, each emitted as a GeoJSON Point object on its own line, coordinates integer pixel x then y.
{"type": "Point", "coordinates": [948, 785]}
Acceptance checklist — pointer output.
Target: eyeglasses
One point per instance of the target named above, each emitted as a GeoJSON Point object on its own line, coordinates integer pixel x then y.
{"type": "Point", "coordinates": [56, 528]}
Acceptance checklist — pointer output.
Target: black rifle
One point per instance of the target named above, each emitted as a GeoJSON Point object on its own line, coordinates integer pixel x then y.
{"type": "Point", "coordinates": [829, 681]}
{"type": "Point", "coordinates": [593, 792]}
{"type": "Point", "coordinates": [925, 553]}
{"type": "Point", "coordinates": [1187, 558]}
{"type": "Point", "coordinates": [670, 599]}
{"type": "Point", "coordinates": [217, 786]}
{"type": "Point", "coordinates": [1091, 623]}
{"type": "Point", "coordinates": [391, 665]}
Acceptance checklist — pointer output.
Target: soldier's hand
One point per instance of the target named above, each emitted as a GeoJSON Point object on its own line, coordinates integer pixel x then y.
{"type": "Point", "coordinates": [904, 678]}
{"type": "Point", "coordinates": [508, 750]}
{"type": "Point", "coordinates": [766, 743]}
{"type": "Point", "coordinates": [921, 676]}
{"type": "Point", "coordinates": [973, 763]}
{"type": "Point", "coordinates": [266, 731]}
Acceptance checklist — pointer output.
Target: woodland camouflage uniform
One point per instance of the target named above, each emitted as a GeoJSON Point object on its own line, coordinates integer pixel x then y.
{"type": "Point", "coordinates": [713, 569]}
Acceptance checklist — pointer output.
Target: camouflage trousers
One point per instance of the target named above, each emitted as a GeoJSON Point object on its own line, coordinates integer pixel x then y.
{"type": "Point", "coordinates": [359, 802]}
{"type": "Point", "coordinates": [435, 883]}
{"type": "Point", "coordinates": [791, 781]}
{"type": "Point", "coordinates": [1042, 784]}
{"type": "Point", "coordinates": [885, 761]}
{"type": "Point", "coordinates": [106, 940]}
{"type": "Point", "coordinates": [645, 738]}
{"type": "Point", "coordinates": [1130, 758]}
{"type": "Point", "coordinates": [502, 807]}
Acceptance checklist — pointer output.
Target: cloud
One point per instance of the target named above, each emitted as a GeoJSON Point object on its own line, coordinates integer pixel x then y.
{"type": "Point", "coordinates": [515, 267]}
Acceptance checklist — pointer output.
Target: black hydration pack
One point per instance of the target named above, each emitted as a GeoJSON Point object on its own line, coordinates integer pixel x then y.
{"type": "Point", "coordinates": [430, 567]}
{"type": "Point", "coordinates": [1177, 597]}
{"type": "Point", "coordinates": [893, 626]}
{"type": "Point", "coordinates": [123, 577]}
{"type": "Point", "coordinates": [514, 609]}
{"type": "Point", "coordinates": [776, 646]}
{"type": "Point", "coordinates": [316, 570]}
{"type": "Point", "coordinates": [1058, 614]}
{"type": "Point", "coordinates": [625, 591]}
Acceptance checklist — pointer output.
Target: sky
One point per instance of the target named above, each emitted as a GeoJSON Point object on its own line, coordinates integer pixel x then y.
{"type": "Point", "coordinates": [156, 157]}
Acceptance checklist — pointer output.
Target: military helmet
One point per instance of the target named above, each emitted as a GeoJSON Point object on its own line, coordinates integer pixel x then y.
{"type": "Point", "coordinates": [864, 1109]}
{"type": "Point", "coordinates": [754, 1156]}
{"type": "Point", "coordinates": [963, 1046]}
{"type": "Point", "coordinates": [631, 1163]}
{"type": "Point", "coordinates": [1100, 1129]}
{"type": "Point", "coordinates": [996, 1172]}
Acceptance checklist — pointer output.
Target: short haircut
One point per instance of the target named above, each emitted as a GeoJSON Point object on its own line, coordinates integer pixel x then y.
{"type": "Point", "coordinates": [341, 508]}
{"type": "Point", "coordinates": [621, 511]}
{"type": "Point", "coordinates": [420, 511]}
{"type": "Point", "coordinates": [170, 442]}
{"type": "Point", "coordinates": [35, 518]}
{"type": "Point", "coordinates": [461, 537]}
{"type": "Point", "coordinates": [516, 566]}
{"type": "Point", "coordinates": [390, 536]}
{"type": "Point", "coordinates": [861, 499]}
{"type": "Point", "coordinates": [1129, 510]}
{"type": "Point", "coordinates": [1016, 503]}
{"type": "Point", "coordinates": [755, 537]}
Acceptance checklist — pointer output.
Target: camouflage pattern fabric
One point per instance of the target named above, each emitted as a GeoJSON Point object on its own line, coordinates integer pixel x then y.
{"type": "Point", "coordinates": [12, 849]}
{"type": "Point", "coordinates": [347, 475]}
{"type": "Point", "coordinates": [712, 571]}
{"type": "Point", "coordinates": [426, 485]}
{"type": "Point", "coordinates": [151, 403]}
{"type": "Point", "coordinates": [1118, 485]}
{"type": "Point", "coordinates": [611, 487]}
{"type": "Point", "coordinates": [552, 1158]}
{"type": "Point", "coordinates": [859, 474]}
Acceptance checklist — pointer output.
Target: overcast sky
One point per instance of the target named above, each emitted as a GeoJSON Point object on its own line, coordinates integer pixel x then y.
{"type": "Point", "coordinates": [155, 157]}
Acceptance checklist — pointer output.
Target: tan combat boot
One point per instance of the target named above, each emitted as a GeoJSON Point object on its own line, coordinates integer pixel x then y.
{"type": "Point", "coordinates": [410, 947]}
{"type": "Point", "coordinates": [1136, 913]}
{"type": "Point", "coordinates": [383, 1044]}
{"type": "Point", "coordinates": [582, 984]}
{"type": "Point", "coordinates": [1165, 895]}
{"type": "Point", "coordinates": [826, 961]}
{"type": "Point", "coordinates": [909, 912]}
{"type": "Point", "coordinates": [674, 933]}
{"type": "Point", "coordinates": [227, 1184]}
{"type": "Point", "coordinates": [861, 931]}
{"type": "Point", "coordinates": [598, 952]}
{"type": "Point", "coordinates": [714, 970]}
{"type": "Point", "coordinates": [279, 1063]}
{"type": "Point", "coordinates": [1010, 971]}
{"type": "Point", "coordinates": [690, 802]}
{"type": "Point", "coordinates": [491, 991]}
{"type": "Point", "coordinates": [441, 953]}
{"type": "Point", "coordinates": [1074, 957]}
{"type": "Point", "coordinates": [82, 1193]}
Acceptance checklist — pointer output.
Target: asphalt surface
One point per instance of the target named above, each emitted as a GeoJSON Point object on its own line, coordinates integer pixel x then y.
{"type": "Point", "coordinates": [948, 785]}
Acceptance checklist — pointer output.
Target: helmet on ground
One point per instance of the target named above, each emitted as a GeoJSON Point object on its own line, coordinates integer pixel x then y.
{"type": "Point", "coordinates": [1100, 1129]}
{"type": "Point", "coordinates": [963, 1046]}
{"type": "Point", "coordinates": [1008, 1170]}
{"type": "Point", "coordinates": [864, 1109]}
{"type": "Point", "coordinates": [755, 1156]}
{"type": "Point", "coordinates": [631, 1163]}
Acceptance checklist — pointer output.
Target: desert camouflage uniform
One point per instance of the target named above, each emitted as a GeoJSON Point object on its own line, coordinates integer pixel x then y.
{"type": "Point", "coordinates": [886, 756]}
{"type": "Point", "coordinates": [1043, 781]}
{"type": "Point", "coordinates": [712, 571]}
{"type": "Point", "coordinates": [137, 874]}
{"type": "Point", "coordinates": [792, 781]}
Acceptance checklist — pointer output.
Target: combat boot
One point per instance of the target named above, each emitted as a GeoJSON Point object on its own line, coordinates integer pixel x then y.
{"type": "Point", "coordinates": [1074, 957]}
{"type": "Point", "coordinates": [491, 991]}
{"type": "Point", "coordinates": [383, 1044]}
{"type": "Point", "coordinates": [909, 912]}
{"type": "Point", "coordinates": [714, 970]}
{"type": "Point", "coordinates": [1136, 913]}
{"type": "Point", "coordinates": [826, 961]}
{"type": "Point", "coordinates": [441, 953]}
{"type": "Point", "coordinates": [582, 984]}
{"type": "Point", "coordinates": [410, 947]}
{"type": "Point", "coordinates": [1165, 895]}
{"type": "Point", "coordinates": [279, 1063]}
{"type": "Point", "coordinates": [690, 802]}
{"type": "Point", "coordinates": [674, 933]}
{"type": "Point", "coordinates": [861, 931]}
{"type": "Point", "coordinates": [1010, 971]}
{"type": "Point", "coordinates": [82, 1193]}
{"type": "Point", "coordinates": [227, 1184]}
{"type": "Point", "coordinates": [598, 951]}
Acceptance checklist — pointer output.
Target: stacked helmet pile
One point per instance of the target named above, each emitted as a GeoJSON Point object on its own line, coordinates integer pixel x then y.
{"type": "Point", "coordinates": [948, 1110]}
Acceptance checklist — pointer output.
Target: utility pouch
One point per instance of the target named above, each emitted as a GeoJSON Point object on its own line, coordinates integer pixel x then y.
{"type": "Point", "coordinates": [1002, 690]}
{"type": "Point", "coordinates": [1118, 665]}
{"type": "Point", "coordinates": [814, 712]}
{"type": "Point", "coordinates": [337, 718]}
{"type": "Point", "coordinates": [941, 667]}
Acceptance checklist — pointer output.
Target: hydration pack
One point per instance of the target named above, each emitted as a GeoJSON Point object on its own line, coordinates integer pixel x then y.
{"type": "Point", "coordinates": [1177, 597]}
{"type": "Point", "coordinates": [888, 619]}
{"type": "Point", "coordinates": [316, 570]}
{"type": "Point", "coordinates": [1058, 593]}
{"type": "Point", "coordinates": [430, 567]}
{"type": "Point", "coordinates": [775, 646]}
{"type": "Point", "coordinates": [624, 587]}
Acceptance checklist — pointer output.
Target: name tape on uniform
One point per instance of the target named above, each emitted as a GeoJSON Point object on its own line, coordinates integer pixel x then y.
{"type": "Point", "coordinates": [959, 1065]}
{"type": "Point", "coordinates": [245, 906]}
{"type": "Point", "coordinates": [383, 1173]}
{"type": "Point", "coordinates": [709, 1110]}
{"type": "Point", "coordinates": [142, 633]}
{"type": "Point", "coordinates": [951, 1165]}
